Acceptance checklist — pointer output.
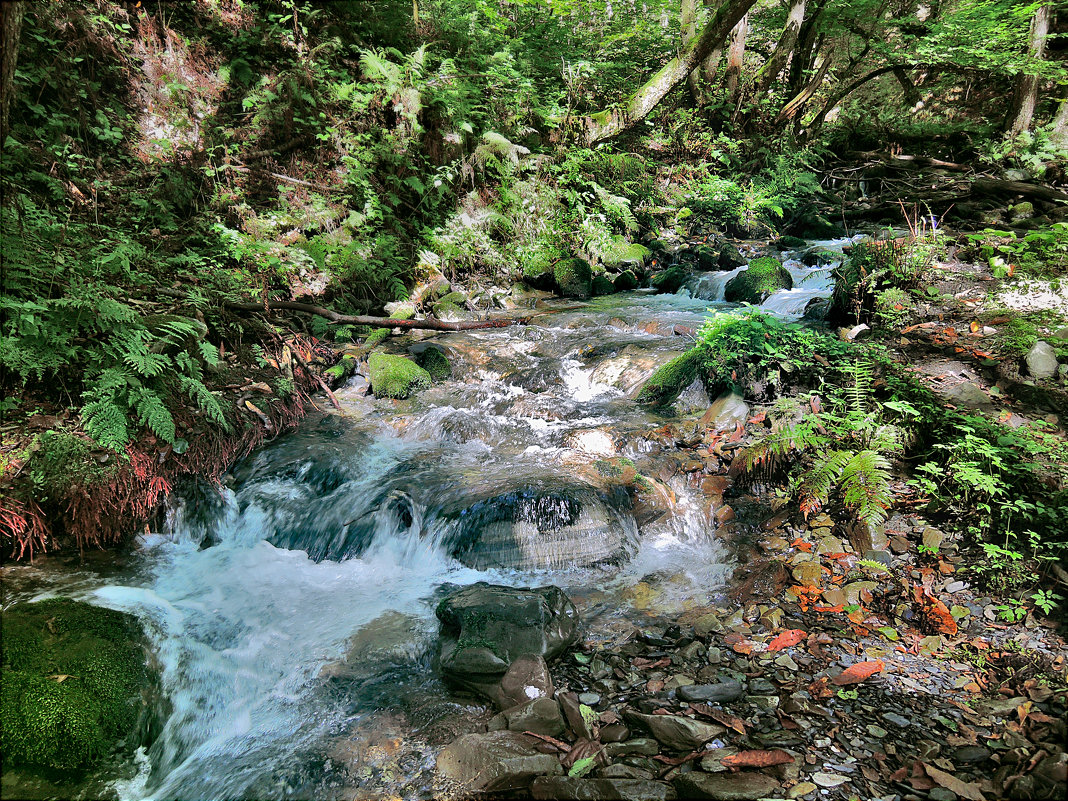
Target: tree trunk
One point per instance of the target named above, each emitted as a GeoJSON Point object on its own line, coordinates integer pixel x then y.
{"type": "Point", "coordinates": [702, 77]}
{"type": "Point", "coordinates": [806, 49]}
{"type": "Point", "coordinates": [10, 28]}
{"type": "Point", "coordinates": [1060, 126]}
{"type": "Point", "coordinates": [1025, 98]}
{"type": "Point", "coordinates": [912, 95]}
{"type": "Point", "coordinates": [780, 56]}
{"type": "Point", "coordinates": [793, 108]}
{"type": "Point", "coordinates": [735, 55]}
{"type": "Point", "coordinates": [612, 122]}
{"type": "Point", "coordinates": [842, 94]}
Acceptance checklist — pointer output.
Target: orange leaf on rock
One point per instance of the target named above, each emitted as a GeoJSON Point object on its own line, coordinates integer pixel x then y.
{"type": "Point", "coordinates": [939, 617]}
{"type": "Point", "coordinates": [757, 759]}
{"type": "Point", "coordinates": [858, 672]}
{"type": "Point", "coordinates": [787, 639]}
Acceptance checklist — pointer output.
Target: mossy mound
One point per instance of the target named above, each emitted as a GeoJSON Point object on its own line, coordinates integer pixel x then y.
{"type": "Point", "coordinates": [574, 278]}
{"type": "Point", "coordinates": [790, 243]}
{"type": "Point", "coordinates": [602, 286]}
{"type": "Point", "coordinates": [730, 258]}
{"type": "Point", "coordinates": [668, 382]}
{"type": "Point", "coordinates": [537, 268]}
{"type": "Point", "coordinates": [451, 307]}
{"type": "Point", "coordinates": [74, 683]}
{"type": "Point", "coordinates": [395, 376]}
{"type": "Point", "coordinates": [764, 277]}
{"type": "Point", "coordinates": [435, 363]}
{"type": "Point", "coordinates": [669, 280]}
{"type": "Point", "coordinates": [707, 258]}
{"type": "Point", "coordinates": [376, 337]}
{"type": "Point", "coordinates": [626, 281]}
{"type": "Point", "coordinates": [623, 255]}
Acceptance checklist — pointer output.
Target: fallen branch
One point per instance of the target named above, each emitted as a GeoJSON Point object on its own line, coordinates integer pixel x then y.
{"type": "Point", "coordinates": [374, 322]}
{"type": "Point", "coordinates": [993, 186]}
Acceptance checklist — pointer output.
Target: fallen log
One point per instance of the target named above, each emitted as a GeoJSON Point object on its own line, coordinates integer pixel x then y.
{"type": "Point", "coordinates": [994, 186]}
{"type": "Point", "coordinates": [374, 322]}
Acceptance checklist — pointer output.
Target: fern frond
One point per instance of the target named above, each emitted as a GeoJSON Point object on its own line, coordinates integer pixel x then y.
{"type": "Point", "coordinates": [105, 422]}
{"type": "Point", "coordinates": [153, 412]}
{"type": "Point", "coordinates": [866, 485]}
{"type": "Point", "coordinates": [205, 400]}
{"type": "Point", "coordinates": [818, 481]}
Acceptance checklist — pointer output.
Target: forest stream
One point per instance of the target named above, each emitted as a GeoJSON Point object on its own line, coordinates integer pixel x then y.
{"type": "Point", "coordinates": [295, 605]}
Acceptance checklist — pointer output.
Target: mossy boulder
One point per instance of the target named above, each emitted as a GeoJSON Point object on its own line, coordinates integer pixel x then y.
{"type": "Point", "coordinates": [764, 277]}
{"type": "Point", "coordinates": [377, 336]}
{"type": "Point", "coordinates": [574, 278]}
{"type": "Point", "coordinates": [668, 382]}
{"type": "Point", "coordinates": [669, 280]}
{"type": "Point", "coordinates": [626, 281]}
{"type": "Point", "coordinates": [707, 258]}
{"type": "Point", "coordinates": [451, 307]}
{"type": "Point", "coordinates": [1021, 211]}
{"type": "Point", "coordinates": [396, 376]}
{"type": "Point", "coordinates": [537, 268]}
{"type": "Point", "coordinates": [790, 243]}
{"type": "Point", "coordinates": [75, 684]}
{"type": "Point", "coordinates": [730, 258]}
{"type": "Point", "coordinates": [602, 285]}
{"type": "Point", "coordinates": [435, 362]}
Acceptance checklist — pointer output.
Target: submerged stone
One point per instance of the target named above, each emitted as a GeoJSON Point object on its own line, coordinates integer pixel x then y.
{"type": "Point", "coordinates": [494, 761]}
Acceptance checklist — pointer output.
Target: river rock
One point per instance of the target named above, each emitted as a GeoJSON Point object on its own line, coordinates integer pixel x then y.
{"type": "Point", "coordinates": [639, 746]}
{"type": "Point", "coordinates": [764, 277]}
{"type": "Point", "coordinates": [730, 257]}
{"type": "Point", "coordinates": [485, 627]}
{"type": "Point", "coordinates": [725, 786]}
{"type": "Point", "coordinates": [541, 716]}
{"type": "Point", "coordinates": [493, 761]}
{"type": "Point", "coordinates": [1041, 360]}
{"type": "Point", "coordinates": [675, 731]}
{"type": "Point", "coordinates": [726, 411]}
{"type": "Point", "coordinates": [573, 788]}
{"type": "Point", "coordinates": [721, 692]}
{"type": "Point", "coordinates": [526, 679]}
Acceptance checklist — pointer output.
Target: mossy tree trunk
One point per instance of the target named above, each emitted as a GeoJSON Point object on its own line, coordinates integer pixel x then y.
{"type": "Point", "coordinates": [10, 28]}
{"type": "Point", "coordinates": [780, 57]}
{"type": "Point", "coordinates": [612, 122]}
{"type": "Point", "coordinates": [1025, 98]}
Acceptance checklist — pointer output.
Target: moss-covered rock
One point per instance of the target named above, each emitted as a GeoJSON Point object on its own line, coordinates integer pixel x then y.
{"type": "Point", "coordinates": [377, 336]}
{"type": "Point", "coordinates": [574, 278]}
{"type": "Point", "coordinates": [435, 362]}
{"type": "Point", "coordinates": [341, 371]}
{"type": "Point", "coordinates": [1021, 211]}
{"type": "Point", "coordinates": [536, 268]}
{"type": "Point", "coordinates": [668, 382]}
{"type": "Point", "coordinates": [707, 258]}
{"type": "Point", "coordinates": [624, 255]}
{"type": "Point", "coordinates": [395, 376]}
{"type": "Point", "coordinates": [626, 281]}
{"type": "Point", "coordinates": [74, 684]}
{"type": "Point", "coordinates": [669, 280]}
{"type": "Point", "coordinates": [602, 286]}
{"type": "Point", "coordinates": [451, 307]}
{"type": "Point", "coordinates": [730, 258]}
{"type": "Point", "coordinates": [764, 277]}
{"type": "Point", "coordinates": [790, 243]}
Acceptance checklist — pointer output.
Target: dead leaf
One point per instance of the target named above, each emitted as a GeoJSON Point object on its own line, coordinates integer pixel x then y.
{"type": "Point", "coordinates": [951, 782]}
{"type": "Point", "coordinates": [757, 759]}
{"type": "Point", "coordinates": [730, 721]}
{"type": "Point", "coordinates": [859, 672]}
{"type": "Point", "coordinates": [787, 639]}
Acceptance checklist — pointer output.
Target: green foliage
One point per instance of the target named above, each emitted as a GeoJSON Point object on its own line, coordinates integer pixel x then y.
{"type": "Point", "coordinates": [72, 681]}
{"type": "Point", "coordinates": [1042, 252]}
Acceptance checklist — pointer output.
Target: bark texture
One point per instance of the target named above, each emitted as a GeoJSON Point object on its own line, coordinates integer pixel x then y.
{"type": "Point", "coordinates": [10, 28]}
{"type": "Point", "coordinates": [1025, 98]}
{"type": "Point", "coordinates": [780, 57]}
{"type": "Point", "coordinates": [611, 122]}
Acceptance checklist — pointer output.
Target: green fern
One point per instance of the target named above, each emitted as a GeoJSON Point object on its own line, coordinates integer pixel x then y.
{"type": "Point", "coordinates": [153, 412]}
{"type": "Point", "coordinates": [865, 484]}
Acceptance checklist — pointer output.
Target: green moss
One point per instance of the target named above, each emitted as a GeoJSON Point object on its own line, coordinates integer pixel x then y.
{"type": "Point", "coordinates": [60, 461]}
{"type": "Point", "coordinates": [342, 370]}
{"type": "Point", "coordinates": [626, 281]}
{"type": "Point", "coordinates": [707, 258]}
{"type": "Point", "coordinates": [435, 363]}
{"type": "Point", "coordinates": [377, 336]}
{"type": "Point", "coordinates": [602, 286]}
{"type": "Point", "coordinates": [668, 382]}
{"type": "Point", "coordinates": [72, 681]}
{"type": "Point", "coordinates": [573, 278]}
{"type": "Point", "coordinates": [396, 376]}
{"type": "Point", "coordinates": [669, 280]}
{"type": "Point", "coordinates": [620, 253]}
{"type": "Point", "coordinates": [764, 276]}
{"type": "Point", "coordinates": [537, 266]}
{"type": "Point", "coordinates": [791, 242]}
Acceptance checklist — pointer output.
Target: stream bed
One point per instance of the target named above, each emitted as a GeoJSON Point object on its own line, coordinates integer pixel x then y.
{"type": "Point", "coordinates": [293, 610]}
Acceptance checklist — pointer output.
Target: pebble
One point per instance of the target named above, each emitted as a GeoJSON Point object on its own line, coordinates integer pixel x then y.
{"type": "Point", "coordinates": [762, 687]}
{"type": "Point", "coordinates": [896, 719]}
{"type": "Point", "coordinates": [955, 586]}
{"type": "Point", "coordinates": [715, 656]}
{"type": "Point", "coordinates": [941, 794]}
{"type": "Point", "coordinates": [829, 779]}
{"type": "Point", "coordinates": [764, 701]}
{"type": "Point", "coordinates": [876, 731]}
{"type": "Point", "coordinates": [799, 790]}
{"type": "Point", "coordinates": [589, 699]}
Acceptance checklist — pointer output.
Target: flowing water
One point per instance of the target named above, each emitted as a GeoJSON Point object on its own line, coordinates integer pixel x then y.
{"type": "Point", "coordinates": [292, 611]}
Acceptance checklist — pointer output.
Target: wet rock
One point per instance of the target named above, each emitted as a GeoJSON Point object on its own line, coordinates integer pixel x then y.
{"type": "Point", "coordinates": [485, 627]}
{"type": "Point", "coordinates": [614, 733]}
{"type": "Point", "coordinates": [725, 786]}
{"type": "Point", "coordinates": [808, 574]}
{"type": "Point", "coordinates": [573, 788]}
{"type": "Point", "coordinates": [730, 258]}
{"type": "Point", "coordinates": [760, 579]}
{"type": "Point", "coordinates": [396, 376]}
{"type": "Point", "coordinates": [582, 725]}
{"type": "Point", "coordinates": [1041, 360]}
{"type": "Point", "coordinates": [527, 678]}
{"type": "Point", "coordinates": [621, 771]}
{"type": "Point", "coordinates": [725, 412]}
{"type": "Point", "coordinates": [882, 557]}
{"type": "Point", "coordinates": [707, 624]}
{"type": "Point", "coordinates": [640, 746]}
{"type": "Point", "coordinates": [897, 720]}
{"type": "Point", "coordinates": [541, 716]}
{"type": "Point", "coordinates": [675, 731]}
{"type": "Point", "coordinates": [971, 754]}
{"type": "Point", "coordinates": [493, 762]}
{"type": "Point", "coordinates": [719, 693]}
{"type": "Point", "coordinates": [764, 277]}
